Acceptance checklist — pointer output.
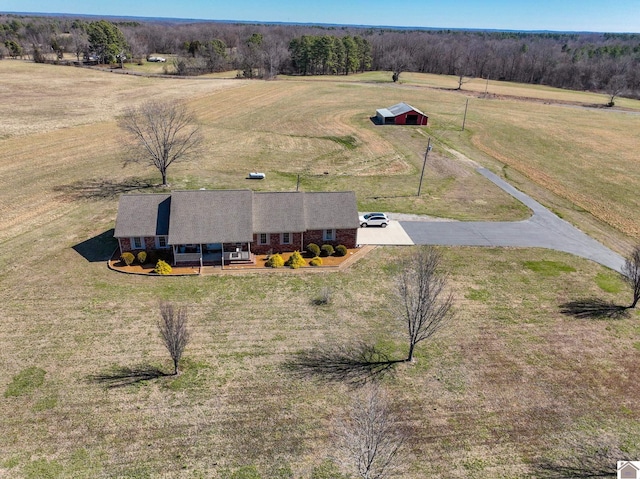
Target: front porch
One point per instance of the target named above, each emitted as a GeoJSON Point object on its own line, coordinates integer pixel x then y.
{"type": "Point", "coordinates": [213, 254]}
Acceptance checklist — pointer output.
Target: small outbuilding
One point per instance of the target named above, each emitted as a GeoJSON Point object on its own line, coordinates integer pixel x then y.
{"type": "Point", "coordinates": [401, 114]}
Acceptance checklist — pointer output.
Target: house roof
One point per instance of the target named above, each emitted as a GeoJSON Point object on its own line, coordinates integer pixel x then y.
{"type": "Point", "coordinates": [279, 212]}
{"type": "Point", "coordinates": [211, 216]}
{"type": "Point", "coordinates": [397, 109]}
{"type": "Point", "coordinates": [229, 216]}
{"type": "Point", "coordinates": [331, 210]}
{"type": "Point", "coordinates": [143, 215]}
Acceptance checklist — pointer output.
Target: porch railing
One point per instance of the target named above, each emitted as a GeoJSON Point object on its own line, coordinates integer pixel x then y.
{"type": "Point", "coordinates": [187, 257]}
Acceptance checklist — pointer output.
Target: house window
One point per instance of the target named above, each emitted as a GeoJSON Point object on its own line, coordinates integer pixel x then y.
{"type": "Point", "coordinates": [328, 235]}
{"type": "Point", "coordinates": [136, 242]}
{"type": "Point", "coordinates": [263, 238]}
{"type": "Point", "coordinates": [285, 238]}
{"type": "Point", "coordinates": [161, 242]}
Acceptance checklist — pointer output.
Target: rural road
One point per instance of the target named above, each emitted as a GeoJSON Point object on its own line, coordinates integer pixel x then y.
{"type": "Point", "coordinates": [542, 230]}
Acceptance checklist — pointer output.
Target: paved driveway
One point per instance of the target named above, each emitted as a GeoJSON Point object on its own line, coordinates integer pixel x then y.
{"type": "Point", "coordinates": [543, 230]}
{"type": "Point", "coordinates": [393, 234]}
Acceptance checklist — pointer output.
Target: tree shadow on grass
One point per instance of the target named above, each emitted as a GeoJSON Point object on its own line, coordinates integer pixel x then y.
{"type": "Point", "coordinates": [593, 308]}
{"type": "Point", "coordinates": [389, 197]}
{"type": "Point", "coordinates": [594, 458]}
{"type": "Point", "coordinates": [123, 376]}
{"type": "Point", "coordinates": [586, 469]}
{"type": "Point", "coordinates": [355, 364]}
{"type": "Point", "coordinates": [103, 189]}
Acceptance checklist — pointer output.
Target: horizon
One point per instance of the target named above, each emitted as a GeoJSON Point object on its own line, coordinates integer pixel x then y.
{"type": "Point", "coordinates": [317, 24]}
{"type": "Point", "coordinates": [570, 16]}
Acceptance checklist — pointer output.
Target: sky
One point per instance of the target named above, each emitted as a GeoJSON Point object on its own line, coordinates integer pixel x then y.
{"type": "Point", "coordinates": [555, 15]}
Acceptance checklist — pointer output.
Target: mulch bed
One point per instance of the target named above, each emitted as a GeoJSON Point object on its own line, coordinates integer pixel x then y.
{"type": "Point", "coordinates": [328, 263]}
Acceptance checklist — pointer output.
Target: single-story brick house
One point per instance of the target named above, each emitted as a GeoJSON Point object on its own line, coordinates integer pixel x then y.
{"type": "Point", "coordinates": [222, 226]}
{"type": "Point", "coordinates": [401, 114]}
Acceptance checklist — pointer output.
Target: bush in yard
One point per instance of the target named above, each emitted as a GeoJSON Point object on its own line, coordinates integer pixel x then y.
{"type": "Point", "coordinates": [313, 249]}
{"type": "Point", "coordinates": [142, 257]}
{"type": "Point", "coordinates": [317, 261]}
{"type": "Point", "coordinates": [127, 257]}
{"type": "Point", "coordinates": [275, 261]}
{"type": "Point", "coordinates": [296, 261]}
{"type": "Point", "coordinates": [341, 250]}
{"type": "Point", "coordinates": [162, 267]}
{"type": "Point", "coordinates": [327, 250]}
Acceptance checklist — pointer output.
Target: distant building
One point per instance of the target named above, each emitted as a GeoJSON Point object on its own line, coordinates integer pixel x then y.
{"type": "Point", "coordinates": [401, 114]}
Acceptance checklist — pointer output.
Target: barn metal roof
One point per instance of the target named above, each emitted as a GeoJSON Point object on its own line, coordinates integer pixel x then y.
{"type": "Point", "coordinates": [397, 109]}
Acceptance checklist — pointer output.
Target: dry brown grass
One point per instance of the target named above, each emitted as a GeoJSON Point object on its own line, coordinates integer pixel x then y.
{"type": "Point", "coordinates": [511, 384]}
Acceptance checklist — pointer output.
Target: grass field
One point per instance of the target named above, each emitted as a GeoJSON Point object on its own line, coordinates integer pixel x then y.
{"type": "Point", "coordinates": [517, 386]}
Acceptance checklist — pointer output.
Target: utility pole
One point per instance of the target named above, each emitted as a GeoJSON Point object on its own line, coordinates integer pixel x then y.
{"type": "Point", "coordinates": [464, 120]}
{"type": "Point", "coordinates": [424, 165]}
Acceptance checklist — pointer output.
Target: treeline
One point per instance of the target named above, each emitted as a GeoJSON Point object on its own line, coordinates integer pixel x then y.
{"type": "Point", "coordinates": [327, 54]}
{"type": "Point", "coordinates": [581, 61]}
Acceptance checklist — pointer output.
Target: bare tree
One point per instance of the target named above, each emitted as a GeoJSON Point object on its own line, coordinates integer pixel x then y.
{"type": "Point", "coordinates": [165, 133]}
{"type": "Point", "coordinates": [424, 306]}
{"type": "Point", "coordinates": [398, 61]}
{"type": "Point", "coordinates": [631, 270]}
{"type": "Point", "coordinates": [616, 85]}
{"type": "Point", "coordinates": [174, 331]}
{"type": "Point", "coordinates": [370, 437]}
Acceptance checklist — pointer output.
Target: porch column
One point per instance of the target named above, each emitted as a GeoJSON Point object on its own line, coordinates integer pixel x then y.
{"type": "Point", "coordinates": [222, 266]}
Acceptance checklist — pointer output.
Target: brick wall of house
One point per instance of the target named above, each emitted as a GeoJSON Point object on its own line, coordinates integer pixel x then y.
{"type": "Point", "coordinates": [125, 244]}
{"type": "Point", "coordinates": [349, 238]}
{"type": "Point", "coordinates": [274, 245]}
{"type": "Point", "coordinates": [149, 243]}
{"type": "Point", "coordinates": [346, 237]}
{"type": "Point", "coordinates": [299, 241]}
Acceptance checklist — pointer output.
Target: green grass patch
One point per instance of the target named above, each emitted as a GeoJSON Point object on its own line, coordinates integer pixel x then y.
{"type": "Point", "coordinates": [25, 382]}
{"type": "Point", "coordinates": [549, 268]}
{"type": "Point", "coordinates": [350, 142]}
{"type": "Point", "coordinates": [193, 375]}
{"type": "Point", "coordinates": [11, 462]}
{"type": "Point", "coordinates": [478, 295]}
{"type": "Point", "coordinates": [42, 469]}
{"type": "Point", "coordinates": [45, 403]}
{"type": "Point", "coordinates": [609, 282]}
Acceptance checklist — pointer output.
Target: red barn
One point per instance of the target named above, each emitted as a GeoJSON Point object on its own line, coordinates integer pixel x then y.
{"type": "Point", "coordinates": [401, 114]}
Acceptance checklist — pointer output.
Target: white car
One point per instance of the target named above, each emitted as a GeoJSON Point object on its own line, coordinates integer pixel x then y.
{"type": "Point", "coordinates": [374, 219]}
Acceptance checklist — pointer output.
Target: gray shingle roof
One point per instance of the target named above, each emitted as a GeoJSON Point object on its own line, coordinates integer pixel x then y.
{"type": "Point", "coordinates": [331, 210]}
{"type": "Point", "coordinates": [229, 216]}
{"type": "Point", "coordinates": [143, 215]}
{"type": "Point", "coordinates": [211, 216]}
{"type": "Point", "coordinates": [279, 212]}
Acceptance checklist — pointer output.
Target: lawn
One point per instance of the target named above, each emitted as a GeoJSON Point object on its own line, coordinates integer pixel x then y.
{"type": "Point", "coordinates": [521, 383]}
